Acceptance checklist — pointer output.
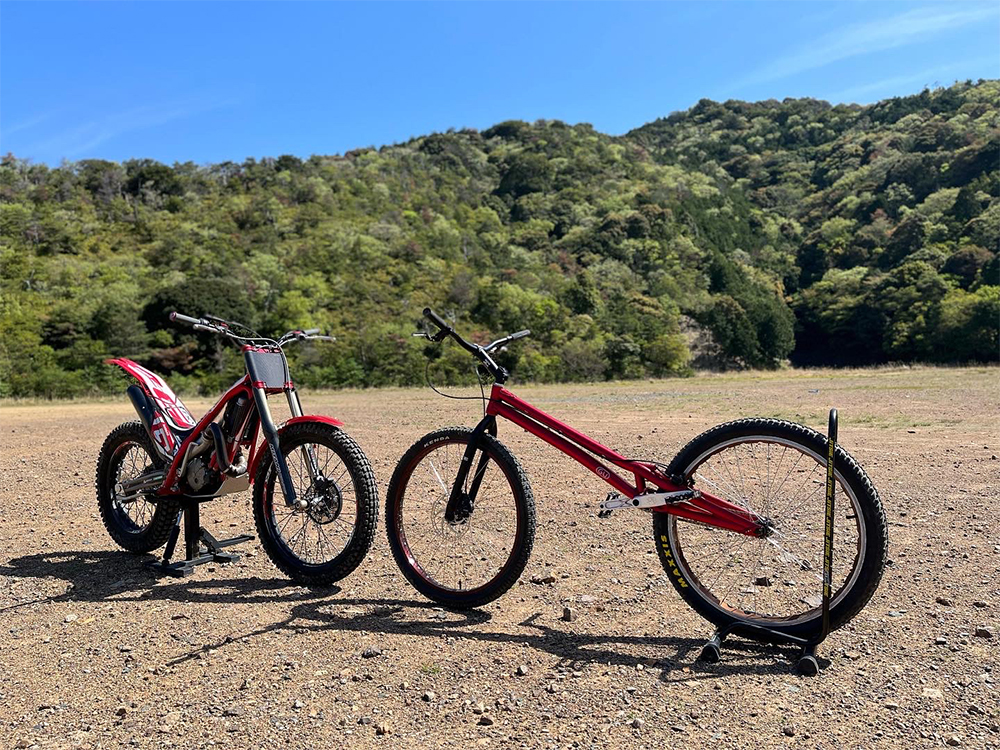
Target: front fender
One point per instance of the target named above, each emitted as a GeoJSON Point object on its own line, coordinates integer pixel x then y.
{"type": "Point", "coordinates": [252, 471]}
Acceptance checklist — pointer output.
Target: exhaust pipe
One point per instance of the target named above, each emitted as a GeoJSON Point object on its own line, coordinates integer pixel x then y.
{"type": "Point", "coordinates": [134, 488]}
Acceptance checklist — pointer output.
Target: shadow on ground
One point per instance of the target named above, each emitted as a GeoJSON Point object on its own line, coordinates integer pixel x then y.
{"type": "Point", "coordinates": [95, 576]}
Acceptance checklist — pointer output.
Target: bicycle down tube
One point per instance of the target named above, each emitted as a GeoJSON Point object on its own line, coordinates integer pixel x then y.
{"type": "Point", "coordinates": [703, 507]}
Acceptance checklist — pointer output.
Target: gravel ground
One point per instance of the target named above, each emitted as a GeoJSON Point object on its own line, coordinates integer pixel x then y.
{"type": "Point", "coordinates": [99, 653]}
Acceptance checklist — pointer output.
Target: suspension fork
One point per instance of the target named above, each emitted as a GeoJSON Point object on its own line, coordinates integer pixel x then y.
{"type": "Point", "coordinates": [274, 445]}
{"type": "Point", "coordinates": [295, 406]}
{"type": "Point", "coordinates": [459, 500]}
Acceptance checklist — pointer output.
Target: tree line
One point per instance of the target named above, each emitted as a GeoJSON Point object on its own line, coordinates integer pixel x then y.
{"type": "Point", "coordinates": [731, 235]}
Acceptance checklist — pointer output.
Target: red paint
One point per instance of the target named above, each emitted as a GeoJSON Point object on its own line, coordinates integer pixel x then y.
{"type": "Point", "coordinates": [707, 509]}
{"type": "Point", "coordinates": [173, 409]}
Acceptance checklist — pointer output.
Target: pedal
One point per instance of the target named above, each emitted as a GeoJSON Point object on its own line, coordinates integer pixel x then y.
{"type": "Point", "coordinates": [613, 501]}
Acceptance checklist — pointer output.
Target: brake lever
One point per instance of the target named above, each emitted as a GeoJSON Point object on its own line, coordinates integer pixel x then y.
{"type": "Point", "coordinates": [420, 335]}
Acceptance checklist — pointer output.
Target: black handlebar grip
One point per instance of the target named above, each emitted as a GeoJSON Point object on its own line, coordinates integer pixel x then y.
{"type": "Point", "coordinates": [436, 319]}
{"type": "Point", "coordinates": [520, 334]}
{"type": "Point", "coordinates": [178, 318]}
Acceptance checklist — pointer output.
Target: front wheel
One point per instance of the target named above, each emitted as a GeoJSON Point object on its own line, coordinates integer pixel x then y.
{"type": "Point", "coordinates": [776, 470]}
{"type": "Point", "coordinates": [476, 556]}
{"type": "Point", "coordinates": [328, 538]}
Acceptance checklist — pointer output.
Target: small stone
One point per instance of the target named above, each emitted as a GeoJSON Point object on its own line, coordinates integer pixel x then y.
{"type": "Point", "coordinates": [381, 729]}
{"type": "Point", "coordinates": [479, 709]}
{"type": "Point", "coordinates": [954, 740]}
{"type": "Point", "coordinates": [932, 693]}
{"type": "Point", "coordinates": [232, 711]}
{"type": "Point", "coordinates": [891, 704]}
{"type": "Point", "coordinates": [370, 653]}
{"type": "Point", "coordinates": [121, 711]}
{"type": "Point", "coordinates": [984, 633]}
{"type": "Point", "coordinates": [788, 731]}
{"type": "Point", "coordinates": [980, 604]}
{"type": "Point", "coordinates": [762, 581]}
{"type": "Point", "coordinates": [365, 720]}
{"type": "Point", "coordinates": [23, 743]}
{"type": "Point", "coordinates": [245, 685]}
{"type": "Point", "coordinates": [485, 720]}
{"type": "Point", "coordinates": [546, 579]}
{"type": "Point", "coordinates": [637, 723]}
{"type": "Point", "coordinates": [943, 601]}
{"type": "Point", "coordinates": [67, 618]}
{"type": "Point", "coordinates": [940, 641]}
{"type": "Point", "coordinates": [429, 696]}
{"type": "Point", "coordinates": [522, 670]}
{"type": "Point", "coordinates": [568, 614]}
{"type": "Point", "coordinates": [298, 704]}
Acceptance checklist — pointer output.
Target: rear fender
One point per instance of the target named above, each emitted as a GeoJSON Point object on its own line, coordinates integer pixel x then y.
{"type": "Point", "coordinates": [252, 471]}
{"type": "Point", "coordinates": [156, 427]}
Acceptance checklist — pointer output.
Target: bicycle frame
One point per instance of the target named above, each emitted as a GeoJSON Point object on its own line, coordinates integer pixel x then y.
{"type": "Point", "coordinates": [702, 507]}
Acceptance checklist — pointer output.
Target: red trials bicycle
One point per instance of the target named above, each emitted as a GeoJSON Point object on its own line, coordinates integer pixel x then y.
{"type": "Point", "coordinates": [152, 472]}
{"type": "Point", "coordinates": [738, 514]}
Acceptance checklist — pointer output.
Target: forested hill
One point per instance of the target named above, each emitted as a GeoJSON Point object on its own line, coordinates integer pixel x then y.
{"type": "Point", "coordinates": [735, 234]}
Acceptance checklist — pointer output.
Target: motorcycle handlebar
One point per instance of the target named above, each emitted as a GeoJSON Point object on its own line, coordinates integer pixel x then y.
{"type": "Point", "coordinates": [187, 320]}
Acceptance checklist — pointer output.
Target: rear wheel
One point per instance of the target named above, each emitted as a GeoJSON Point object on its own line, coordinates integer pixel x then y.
{"type": "Point", "coordinates": [140, 524]}
{"type": "Point", "coordinates": [777, 470]}
{"type": "Point", "coordinates": [328, 539]}
{"type": "Point", "coordinates": [474, 558]}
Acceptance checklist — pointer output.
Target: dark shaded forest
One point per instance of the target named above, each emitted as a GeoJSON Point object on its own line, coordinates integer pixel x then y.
{"type": "Point", "coordinates": [732, 235]}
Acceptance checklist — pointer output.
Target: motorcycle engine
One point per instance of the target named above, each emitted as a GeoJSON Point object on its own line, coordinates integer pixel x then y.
{"type": "Point", "coordinates": [202, 479]}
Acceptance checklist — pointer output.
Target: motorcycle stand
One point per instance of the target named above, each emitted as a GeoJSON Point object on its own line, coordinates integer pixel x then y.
{"type": "Point", "coordinates": [200, 546]}
{"type": "Point", "coordinates": [807, 663]}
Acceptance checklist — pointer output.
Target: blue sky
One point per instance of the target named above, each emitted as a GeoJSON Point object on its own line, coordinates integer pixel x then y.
{"type": "Point", "coordinates": [210, 82]}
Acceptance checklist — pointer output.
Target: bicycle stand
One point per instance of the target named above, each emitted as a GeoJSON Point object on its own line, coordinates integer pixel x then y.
{"type": "Point", "coordinates": [200, 546]}
{"type": "Point", "coordinates": [807, 663]}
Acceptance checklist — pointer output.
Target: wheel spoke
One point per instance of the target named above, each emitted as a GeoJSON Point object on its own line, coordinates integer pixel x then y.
{"type": "Point", "coordinates": [773, 580]}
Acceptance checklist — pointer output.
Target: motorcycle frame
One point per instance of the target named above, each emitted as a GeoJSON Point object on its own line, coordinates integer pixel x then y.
{"type": "Point", "coordinates": [258, 419]}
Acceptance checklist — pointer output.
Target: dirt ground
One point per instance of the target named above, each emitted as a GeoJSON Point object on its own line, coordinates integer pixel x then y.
{"type": "Point", "coordinates": [97, 652]}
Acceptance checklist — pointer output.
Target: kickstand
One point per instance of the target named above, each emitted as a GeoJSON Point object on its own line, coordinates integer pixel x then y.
{"type": "Point", "coordinates": [200, 547]}
{"type": "Point", "coordinates": [807, 663]}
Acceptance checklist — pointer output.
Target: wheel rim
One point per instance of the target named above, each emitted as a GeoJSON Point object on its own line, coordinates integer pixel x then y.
{"type": "Point", "coordinates": [776, 581]}
{"type": "Point", "coordinates": [467, 556]}
{"type": "Point", "coordinates": [131, 460]}
{"type": "Point", "coordinates": [317, 534]}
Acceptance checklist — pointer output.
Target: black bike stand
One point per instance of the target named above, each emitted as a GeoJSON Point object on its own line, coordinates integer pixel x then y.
{"type": "Point", "coordinates": [807, 663]}
{"type": "Point", "coordinates": [200, 546]}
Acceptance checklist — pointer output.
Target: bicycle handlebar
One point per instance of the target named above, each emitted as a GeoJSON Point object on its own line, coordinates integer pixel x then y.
{"type": "Point", "coordinates": [479, 352]}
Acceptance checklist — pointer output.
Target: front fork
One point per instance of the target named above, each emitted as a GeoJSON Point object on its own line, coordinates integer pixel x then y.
{"type": "Point", "coordinates": [461, 503]}
{"type": "Point", "coordinates": [273, 441]}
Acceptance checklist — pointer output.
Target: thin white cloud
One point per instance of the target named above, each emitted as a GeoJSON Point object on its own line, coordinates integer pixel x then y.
{"type": "Point", "coordinates": [82, 138]}
{"type": "Point", "coordinates": [871, 36]}
{"type": "Point", "coordinates": [23, 125]}
{"type": "Point", "coordinates": [941, 76]}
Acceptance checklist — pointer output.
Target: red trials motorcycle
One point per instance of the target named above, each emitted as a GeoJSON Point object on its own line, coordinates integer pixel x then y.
{"type": "Point", "coordinates": [153, 471]}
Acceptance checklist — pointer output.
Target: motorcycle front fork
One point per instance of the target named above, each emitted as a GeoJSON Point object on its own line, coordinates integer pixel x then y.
{"type": "Point", "coordinates": [272, 439]}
